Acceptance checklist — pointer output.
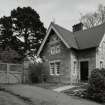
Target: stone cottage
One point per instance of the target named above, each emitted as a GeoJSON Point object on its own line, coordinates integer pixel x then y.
{"type": "Point", "coordinates": [69, 57]}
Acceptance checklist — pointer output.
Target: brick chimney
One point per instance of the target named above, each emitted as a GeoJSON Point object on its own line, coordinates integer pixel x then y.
{"type": "Point", "coordinates": [77, 27]}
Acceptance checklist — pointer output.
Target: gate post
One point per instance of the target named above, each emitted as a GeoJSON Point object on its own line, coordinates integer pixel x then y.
{"type": "Point", "coordinates": [7, 73]}
{"type": "Point", "coordinates": [23, 79]}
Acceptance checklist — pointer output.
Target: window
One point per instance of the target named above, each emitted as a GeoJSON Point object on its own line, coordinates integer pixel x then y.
{"type": "Point", "coordinates": [101, 64]}
{"type": "Point", "coordinates": [58, 49]}
{"type": "Point", "coordinates": [52, 50]}
{"type": "Point", "coordinates": [57, 67]}
{"type": "Point", "coordinates": [55, 49]}
{"type": "Point", "coordinates": [54, 67]}
{"type": "Point", "coordinates": [52, 72]}
{"type": "Point", "coordinates": [75, 65]}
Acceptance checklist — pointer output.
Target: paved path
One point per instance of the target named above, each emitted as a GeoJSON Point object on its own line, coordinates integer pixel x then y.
{"type": "Point", "coordinates": [8, 99]}
{"type": "Point", "coordinates": [60, 89]}
{"type": "Point", "coordinates": [41, 96]}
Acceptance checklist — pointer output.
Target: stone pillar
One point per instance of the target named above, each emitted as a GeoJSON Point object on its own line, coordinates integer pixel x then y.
{"type": "Point", "coordinates": [26, 71]}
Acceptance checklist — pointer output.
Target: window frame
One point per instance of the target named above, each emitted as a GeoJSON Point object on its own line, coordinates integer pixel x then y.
{"type": "Point", "coordinates": [51, 71]}
{"type": "Point", "coordinates": [58, 50]}
{"type": "Point", "coordinates": [53, 50]}
{"type": "Point", "coordinates": [101, 64]}
{"type": "Point", "coordinates": [75, 67]}
{"type": "Point", "coordinates": [55, 67]}
{"type": "Point", "coordinates": [56, 70]}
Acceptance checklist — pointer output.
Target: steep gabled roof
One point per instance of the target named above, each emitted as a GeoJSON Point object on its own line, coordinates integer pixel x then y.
{"type": "Point", "coordinates": [55, 29]}
{"type": "Point", "coordinates": [80, 39]}
{"type": "Point", "coordinates": [91, 37]}
{"type": "Point", "coordinates": [67, 36]}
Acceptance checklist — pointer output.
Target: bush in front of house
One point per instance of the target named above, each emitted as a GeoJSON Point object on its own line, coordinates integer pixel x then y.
{"type": "Point", "coordinates": [37, 73]}
{"type": "Point", "coordinates": [96, 85]}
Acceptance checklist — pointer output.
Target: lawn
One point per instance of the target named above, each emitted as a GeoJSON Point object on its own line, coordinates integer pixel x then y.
{"type": "Point", "coordinates": [41, 96]}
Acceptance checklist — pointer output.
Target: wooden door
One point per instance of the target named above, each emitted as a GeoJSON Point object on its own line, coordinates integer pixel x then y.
{"type": "Point", "coordinates": [84, 70]}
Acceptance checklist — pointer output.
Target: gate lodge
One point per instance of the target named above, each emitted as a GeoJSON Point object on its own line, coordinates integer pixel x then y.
{"type": "Point", "coordinates": [70, 56]}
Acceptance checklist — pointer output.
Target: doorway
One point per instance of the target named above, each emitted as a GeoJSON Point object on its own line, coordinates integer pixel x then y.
{"type": "Point", "coordinates": [84, 65]}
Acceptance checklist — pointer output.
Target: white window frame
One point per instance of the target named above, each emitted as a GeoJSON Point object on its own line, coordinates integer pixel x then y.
{"type": "Point", "coordinates": [55, 67]}
{"type": "Point", "coordinates": [51, 71]}
{"type": "Point", "coordinates": [53, 50]}
{"type": "Point", "coordinates": [58, 49]}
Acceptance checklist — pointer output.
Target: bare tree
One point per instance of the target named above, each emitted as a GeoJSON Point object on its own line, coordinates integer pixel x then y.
{"type": "Point", "coordinates": [93, 19]}
{"type": "Point", "coordinates": [101, 13]}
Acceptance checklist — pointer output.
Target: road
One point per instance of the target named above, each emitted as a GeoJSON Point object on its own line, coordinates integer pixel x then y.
{"type": "Point", "coordinates": [8, 99]}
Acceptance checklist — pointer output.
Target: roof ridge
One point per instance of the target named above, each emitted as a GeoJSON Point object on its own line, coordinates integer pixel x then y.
{"type": "Point", "coordinates": [70, 34]}
{"type": "Point", "coordinates": [79, 30]}
{"type": "Point", "coordinates": [80, 38]}
{"type": "Point", "coordinates": [62, 27]}
{"type": "Point", "coordinates": [100, 25]}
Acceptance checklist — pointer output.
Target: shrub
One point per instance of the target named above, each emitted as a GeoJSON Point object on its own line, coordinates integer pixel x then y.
{"type": "Point", "coordinates": [96, 85]}
{"type": "Point", "coordinates": [37, 73]}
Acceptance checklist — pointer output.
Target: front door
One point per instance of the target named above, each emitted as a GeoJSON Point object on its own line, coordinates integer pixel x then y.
{"type": "Point", "coordinates": [84, 71]}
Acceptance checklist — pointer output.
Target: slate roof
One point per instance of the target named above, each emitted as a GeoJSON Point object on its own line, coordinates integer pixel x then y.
{"type": "Point", "coordinates": [66, 35]}
{"type": "Point", "coordinates": [82, 39]}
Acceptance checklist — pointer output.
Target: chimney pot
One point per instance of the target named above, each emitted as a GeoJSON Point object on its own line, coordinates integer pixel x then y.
{"type": "Point", "coordinates": [77, 27]}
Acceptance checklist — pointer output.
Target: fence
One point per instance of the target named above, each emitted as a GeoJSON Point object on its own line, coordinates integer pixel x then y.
{"type": "Point", "coordinates": [11, 73]}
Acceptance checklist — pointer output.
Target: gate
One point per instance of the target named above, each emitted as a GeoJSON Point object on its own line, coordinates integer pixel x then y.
{"type": "Point", "coordinates": [11, 73]}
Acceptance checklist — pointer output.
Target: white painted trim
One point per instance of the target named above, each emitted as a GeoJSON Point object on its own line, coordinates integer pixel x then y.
{"type": "Point", "coordinates": [48, 32]}
{"type": "Point", "coordinates": [53, 61]}
{"type": "Point", "coordinates": [53, 50]}
{"type": "Point", "coordinates": [50, 69]}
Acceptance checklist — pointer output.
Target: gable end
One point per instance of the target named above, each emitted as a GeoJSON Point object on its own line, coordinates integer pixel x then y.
{"type": "Point", "coordinates": [51, 27]}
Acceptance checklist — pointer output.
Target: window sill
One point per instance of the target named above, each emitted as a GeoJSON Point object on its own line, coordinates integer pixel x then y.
{"type": "Point", "coordinates": [55, 74]}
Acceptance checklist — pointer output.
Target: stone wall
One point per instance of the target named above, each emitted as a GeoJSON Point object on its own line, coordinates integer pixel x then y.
{"type": "Point", "coordinates": [100, 54]}
{"type": "Point", "coordinates": [83, 55]}
{"type": "Point", "coordinates": [67, 58]}
{"type": "Point", "coordinates": [63, 56]}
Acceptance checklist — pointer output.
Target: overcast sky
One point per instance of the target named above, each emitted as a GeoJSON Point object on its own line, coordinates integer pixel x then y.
{"type": "Point", "coordinates": [65, 12]}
